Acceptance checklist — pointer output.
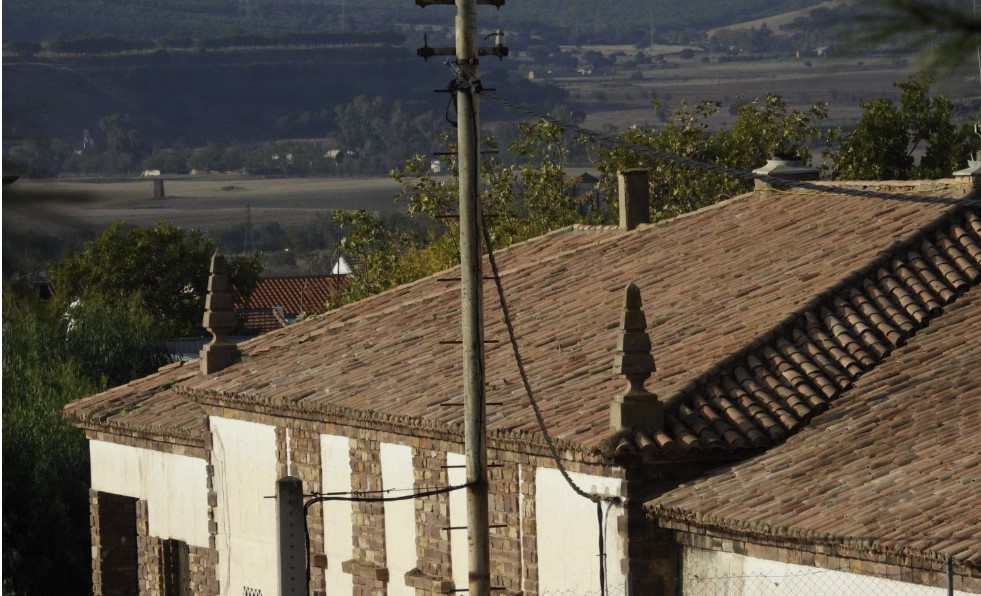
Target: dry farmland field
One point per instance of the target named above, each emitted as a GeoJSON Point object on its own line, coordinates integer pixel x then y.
{"type": "Point", "coordinates": [208, 203]}
{"type": "Point", "coordinates": [623, 98]}
{"type": "Point", "coordinates": [44, 219]}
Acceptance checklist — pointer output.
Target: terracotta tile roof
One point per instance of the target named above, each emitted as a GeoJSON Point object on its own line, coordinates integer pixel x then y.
{"type": "Point", "coordinates": [259, 320]}
{"type": "Point", "coordinates": [893, 466]}
{"type": "Point", "coordinates": [148, 406]}
{"type": "Point", "coordinates": [296, 293]}
{"type": "Point", "coordinates": [732, 293]}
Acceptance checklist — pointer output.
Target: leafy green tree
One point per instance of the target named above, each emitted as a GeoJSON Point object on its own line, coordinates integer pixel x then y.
{"type": "Point", "coordinates": [886, 139]}
{"type": "Point", "coordinates": [207, 159]}
{"type": "Point", "coordinates": [382, 135]}
{"type": "Point", "coordinates": [163, 268]}
{"type": "Point", "coordinates": [122, 137]}
{"type": "Point", "coordinates": [762, 129]}
{"type": "Point", "coordinates": [386, 253]}
{"type": "Point", "coordinates": [168, 161]}
{"type": "Point", "coordinates": [950, 30]}
{"type": "Point", "coordinates": [532, 195]}
{"type": "Point", "coordinates": [45, 476]}
{"type": "Point", "coordinates": [49, 359]}
{"type": "Point", "coordinates": [113, 343]}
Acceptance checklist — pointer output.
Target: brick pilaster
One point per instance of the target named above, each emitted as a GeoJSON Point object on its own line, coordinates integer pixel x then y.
{"type": "Point", "coordinates": [529, 531]}
{"type": "Point", "coordinates": [300, 457]}
{"type": "Point", "coordinates": [651, 556]}
{"type": "Point", "coordinates": [505, 513]}
{"type": "Point", "coordinates": [94, 525]}
{"type": "Point", "coordinates": [368, 565]}
{"type": "Point", "coordinates": [432, 515]}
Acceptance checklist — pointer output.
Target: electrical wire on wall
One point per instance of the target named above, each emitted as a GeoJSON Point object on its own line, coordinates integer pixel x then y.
{"type": "Point", "coordinates": [358, 497]}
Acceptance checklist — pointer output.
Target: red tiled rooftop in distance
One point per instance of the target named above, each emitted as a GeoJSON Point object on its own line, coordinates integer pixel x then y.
{"type": "Point", "coordinates": [295, 294]}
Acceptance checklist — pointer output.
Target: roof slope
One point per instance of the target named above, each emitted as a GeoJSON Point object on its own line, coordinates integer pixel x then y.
{"type": "Point", "coordinates": [894, 466]}
{"type": "Point", "coordinates": [730, 276]}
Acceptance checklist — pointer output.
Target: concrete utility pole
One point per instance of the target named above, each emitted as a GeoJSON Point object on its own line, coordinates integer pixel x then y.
{"type": "Point", "coordinates": [475, 409]}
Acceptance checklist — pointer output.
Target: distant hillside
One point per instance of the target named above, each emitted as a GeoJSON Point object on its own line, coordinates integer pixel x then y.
{"type": "Point", "coordinates": [776, 21]}
{"type": "Point", "coordinates": [577, 20]}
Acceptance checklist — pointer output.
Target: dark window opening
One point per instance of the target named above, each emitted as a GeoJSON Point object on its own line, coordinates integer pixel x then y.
{"type": "Point", "coordinates": [175, 569]}
{"type": "Point", "coordinates": [118, 557]}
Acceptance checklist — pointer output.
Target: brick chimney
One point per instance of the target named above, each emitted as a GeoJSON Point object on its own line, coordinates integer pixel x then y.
{"type": "Point", "coordinates": [219, 319]}
{"type": "Point", "coordinates": [635, 407]}
{"type": "Point", "coordinates": [635, 198]}
{"type": "Point", "coordinates": [787, 168]}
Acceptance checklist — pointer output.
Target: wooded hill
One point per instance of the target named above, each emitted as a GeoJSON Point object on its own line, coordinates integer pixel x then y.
{"type": "Point", "coordinates": [578, 21]}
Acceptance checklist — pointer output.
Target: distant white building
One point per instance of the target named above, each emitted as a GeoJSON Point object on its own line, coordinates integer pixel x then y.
{"type": "Point", "coordinates": [341, 267]}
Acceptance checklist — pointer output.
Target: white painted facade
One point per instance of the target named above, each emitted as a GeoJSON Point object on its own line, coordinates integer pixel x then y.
{"type": "Point", "coordinates": [400, 517]}
{"type": "Point", "coordinates": [335, 466]}
{"type": "Point", "coordinates": [717, 572]}
{"type": "Point", "coordinates": [568, 534]}
{"type": "Point", "coordinates": [244, 460]}
{"type": "Point", "coordinates": [175, 487]}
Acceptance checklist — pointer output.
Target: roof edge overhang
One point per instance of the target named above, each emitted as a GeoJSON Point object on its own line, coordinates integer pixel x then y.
{"type": "Point", "coordinates": [165, 436]}
{"type": "Point", "coordinates": [859, 547]}
{"type": "Point", "coordinates": [233, 406]}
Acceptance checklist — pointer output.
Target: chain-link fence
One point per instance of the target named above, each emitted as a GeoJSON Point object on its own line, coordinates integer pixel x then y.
{"type": "Point", "coordinates": [818, 582]}
{"type": "Point", "coordinates": [612, 591]}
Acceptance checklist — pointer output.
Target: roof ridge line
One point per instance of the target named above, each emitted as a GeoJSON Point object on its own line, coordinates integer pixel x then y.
{"type": "Point", "coordinates": [813, 391]}
{"type": "Point", "coordinates": [438, 291]}
{"type": "Point", "coordinates": [572, 228]}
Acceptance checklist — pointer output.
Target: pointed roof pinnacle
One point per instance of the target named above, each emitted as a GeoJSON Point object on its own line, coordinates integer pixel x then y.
{"type": "Point", "coordinates": [636, 407]}
{"type": "Point", "coordinates": [219, 319]}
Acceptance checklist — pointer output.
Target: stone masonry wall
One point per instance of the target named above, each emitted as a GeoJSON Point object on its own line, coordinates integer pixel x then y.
{"type": "Point", "coordinates": [505, 521]}
{"type": "Point", "coordinates": [529, 531]}
{"type": "Point", "coordinates": [201, 560]}
{"type": "Point", "coordinates": [300, 457]}
{"type": "Point", "coordinates": [651, 556]}
{"type": "Point", "coordinates": [148, 553]}
{"type": "Point", "coordinates": [94, 528]}
{"type": "Point", "coordinates": [511, 476]}
{"type": "Point", "coordinates": [368, 565]}
{"type": "Point", "coordinates": [432, 513]}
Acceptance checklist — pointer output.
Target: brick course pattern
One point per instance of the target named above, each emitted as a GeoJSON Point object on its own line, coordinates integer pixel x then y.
{"type": "Point", "coordinates": [302, 460]}
{"type": "Point", "coordinates": [433, 572]}
{"type": "Point", "coordinates": [368, 565]}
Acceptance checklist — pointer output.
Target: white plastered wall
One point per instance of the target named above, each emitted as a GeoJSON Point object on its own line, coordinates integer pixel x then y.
{"type": "Point", "coordinates": [717, 572]}
{"type": "Point", "coordinates": [175, 487]}
{"type": "Point", "coordinates": [568, 534]}
{"type": "Point", "coordinates": [244, 459]}
{"type": "Point", "coordinates": [335, 458]}
{"type": "Point", "coordinates": [400, 517]}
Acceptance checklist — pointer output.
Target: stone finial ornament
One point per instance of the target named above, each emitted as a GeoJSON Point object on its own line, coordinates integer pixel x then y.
{"type": "Point", "coordinates": [219, 319]}
{"type": "Point", "coordinates": [636, 407]}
